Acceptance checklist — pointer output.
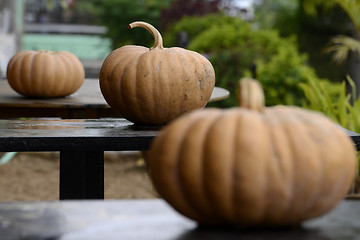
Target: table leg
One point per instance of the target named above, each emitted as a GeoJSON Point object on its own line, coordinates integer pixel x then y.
{"type": "Point", "coordinates": [81, 174]}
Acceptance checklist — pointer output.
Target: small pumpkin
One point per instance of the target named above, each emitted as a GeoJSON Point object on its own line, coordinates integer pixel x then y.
{"type": "Point", "coordinates": [272, 166]}
{"type": "Point", "coordinates": [45, 74]}
{"type": "Point", "coordinates": [152, 86]}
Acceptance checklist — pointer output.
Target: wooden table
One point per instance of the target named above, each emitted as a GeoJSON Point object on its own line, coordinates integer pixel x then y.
{"type": "Point", "coordinates": [153, 220]}
{"type": "Point", "coordinates": [87, 102]}
{"type": "Point", "coordinates": [81, 144]}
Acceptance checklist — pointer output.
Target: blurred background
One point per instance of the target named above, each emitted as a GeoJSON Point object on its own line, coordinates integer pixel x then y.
{"type": "Point", "coordinates": [290, 46]}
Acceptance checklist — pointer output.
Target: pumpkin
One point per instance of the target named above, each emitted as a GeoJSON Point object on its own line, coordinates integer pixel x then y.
{"type": "Point", "coordinates": [257, 167]}
{"type": "Point", "coordinates": [152, 86]}
{"type": "Point", "coordinates": [45, 74]}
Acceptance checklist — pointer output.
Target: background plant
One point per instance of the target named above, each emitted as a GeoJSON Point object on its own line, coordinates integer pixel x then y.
{"type": "Point", "coordinates": [234, 47]}
{"type": "Point", "coordinates": [117, 14]}
{"type": "Point", "coordinates": [332, 100]}
{"type": "Point", "coordinates": [341, 44]}
{"type": "Point", "coordinates": [313, 22]}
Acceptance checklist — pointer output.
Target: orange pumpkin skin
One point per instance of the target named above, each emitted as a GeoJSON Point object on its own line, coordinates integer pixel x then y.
{"type": "Point", "coordinates": [153, 86]}
{"type": "Point", "coordinates": [248, 168]}
{"type": "Point", "coordinates": [45, 74]}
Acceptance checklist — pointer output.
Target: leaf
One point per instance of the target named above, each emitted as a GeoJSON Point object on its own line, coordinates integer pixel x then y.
{"type": "Point", "coordinates": [355, 119]}
{"type": "Point", "coordinates": [309, 94]}
{"type": "Point", "coordinates": [319, 99]}
{"type": "Point", "coordinates": [352, 9]}
{"type": "Point", "coordinates": [352, 84]}
{"type": "Point", "coordinates": [313, 94]}
{"type": "Point", "coordinates": [342, 106]}
{"type": "Point", "coordinates": [340, 46]}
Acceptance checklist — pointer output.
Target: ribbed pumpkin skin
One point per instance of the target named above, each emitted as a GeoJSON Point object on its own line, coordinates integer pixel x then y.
{"type": "Point", "coordinates": [153, 86]}
{"type": "Point", "coordinates": [45, 74]}
{"type": "Point", "coordinates": [247, 168]}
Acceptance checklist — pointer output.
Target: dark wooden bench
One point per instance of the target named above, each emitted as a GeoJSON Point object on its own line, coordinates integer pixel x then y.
{"type": "Point", "coordinates": [81, 144]}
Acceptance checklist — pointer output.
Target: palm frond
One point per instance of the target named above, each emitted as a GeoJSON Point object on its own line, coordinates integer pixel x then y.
{"type": "Point", "coordinates": [340, 46]}
{"type": "Point", "coordinates": [352, 9]}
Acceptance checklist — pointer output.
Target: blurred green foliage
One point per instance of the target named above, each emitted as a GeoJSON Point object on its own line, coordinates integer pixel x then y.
{"type": "Point", "coordinates": [234, 47]}
{"type": "Point", "coordinates": [313, 22]}
{"type": "Point", "coordinates": [84, 12]}
{"type": "Point", "coordinates": [332, 100]}
{"type": "Point", "coordinates": [278, 14]}
{"type": "Point", "coordinates": [117, 14]}
{"type": "Point", "coordinates": [342, 45]}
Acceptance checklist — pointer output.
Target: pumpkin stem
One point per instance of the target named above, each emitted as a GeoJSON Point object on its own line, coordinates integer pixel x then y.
{"type": "Point", "coordinates": [45, 51]}
{"type": "Point", "coordinates": [156, 34]}
{"type": "Point", "coordinates": [250, 94]}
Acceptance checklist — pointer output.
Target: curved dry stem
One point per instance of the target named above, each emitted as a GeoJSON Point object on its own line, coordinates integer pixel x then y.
{"type": "Point", "coordinates": [44, 51]}
{"type": "Point", "coordinates": [154, 32]}
{"type": "Point", "coordinates": [250, 95]}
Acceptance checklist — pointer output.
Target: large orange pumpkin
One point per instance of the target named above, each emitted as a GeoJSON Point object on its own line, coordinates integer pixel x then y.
{"type": "Point", "coordinates": [45, 74]}
{"type": "Point", "coordinates": [272, 166]}
{"type": "Point", "coordinates": [153, 86]}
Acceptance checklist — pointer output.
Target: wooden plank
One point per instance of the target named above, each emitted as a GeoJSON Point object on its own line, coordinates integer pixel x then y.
{"type": "Point", "coordinates": [115, 134]}
{"type": "Point", "coordinates": [62, 135]}
{"type": "Point", "coordinates": [87, 102]}
{"type": "Point", "coordinates": [65, 113]}
{"type": "Point", "coordinates": [154, 219]}
{"type": "Point", "coordinates": [89, 95]}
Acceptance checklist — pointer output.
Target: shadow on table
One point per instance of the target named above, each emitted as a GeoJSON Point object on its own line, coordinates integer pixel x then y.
{"type": "Point", "coordinates": [293, 233]}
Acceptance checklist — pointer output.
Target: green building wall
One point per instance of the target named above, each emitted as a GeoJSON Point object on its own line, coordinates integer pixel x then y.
{"type": "Point", "coordinates": [85, 47]}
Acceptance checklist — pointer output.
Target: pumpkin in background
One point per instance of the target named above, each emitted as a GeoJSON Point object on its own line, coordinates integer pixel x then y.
{"type": "Point", "coordinates": [153, 86]}
{"type": "Point", "coordinates": [45, 74]}
{"type": "Point", "coordinates": [268, 167]}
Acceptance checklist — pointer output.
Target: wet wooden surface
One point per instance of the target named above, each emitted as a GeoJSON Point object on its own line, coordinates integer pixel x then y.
{"type": "Point", "coordinates": [81, 143]}
{"type": "Point", "coordinates": [87, 102]}
{"type": "Point", "coordinates": [115, 134]}
{"type": "Point", "coordinates": [153, 219]}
